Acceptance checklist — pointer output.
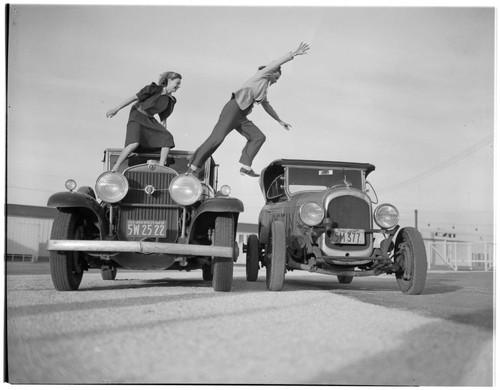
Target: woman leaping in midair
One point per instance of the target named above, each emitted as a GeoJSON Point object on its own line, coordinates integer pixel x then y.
{"type": "Point", "coordinates": [234, 115]}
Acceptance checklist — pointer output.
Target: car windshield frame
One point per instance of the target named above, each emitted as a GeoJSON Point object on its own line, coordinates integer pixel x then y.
{"type": "Point", "coordinates": [301, 178]}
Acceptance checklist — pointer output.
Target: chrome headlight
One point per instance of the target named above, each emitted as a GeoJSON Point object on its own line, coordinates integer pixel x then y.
{"type": "Point", "coordinates": [70, 185]}
{"type": "Point", "coordinates": [111, 187]}
{"type": "Point", "coordinates": [311, 213]}
{"type": "Point", "coordinates": [225, 190]}
{"type": "Point", "coordinates": [386, 216]}
{"type": "Point", "coordinates": [185, 189]}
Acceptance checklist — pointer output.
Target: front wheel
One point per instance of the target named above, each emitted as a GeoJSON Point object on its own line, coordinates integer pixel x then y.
{"type": "Point", "coordinates": [411, 257]}
{"type": "Point", "coordinates": [276, 257]}
{"type": "Point", "coordinates": [223, 266]}
{"type": "Point", "coordinates": [66, 268]}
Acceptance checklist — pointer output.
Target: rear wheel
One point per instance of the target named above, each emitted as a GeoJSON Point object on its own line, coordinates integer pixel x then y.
{"type": "Point", "coordinates": [276, 257]}
{"type": "Point", "coordinates": [66, 268]}
{"type": "Point", "coordinates": [108, 273]}
{"type": "Point", "coordinates": [223, 266]}
{"type": "Point", "coordinates": [207, 274]}
{"type": "Point", "coordinates": [343, 279]}
{"type": "Point", "coordinates": [410, 255]}
{"type": "Point", "coordinates": [253, 258]}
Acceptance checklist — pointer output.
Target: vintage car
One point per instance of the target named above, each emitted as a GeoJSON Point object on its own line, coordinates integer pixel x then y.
{"type": "Point", "coordinates": [318, 217]}
{"type": "Point", "coordinates": [145, 217]}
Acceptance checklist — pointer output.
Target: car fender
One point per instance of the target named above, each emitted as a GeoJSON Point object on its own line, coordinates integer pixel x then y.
{"type": "Point", "coordinates": [220, 205]}
{"type": "Point", "coordinates": [216, 206]}
{"type": "Point", "coordinates": [84, 203]}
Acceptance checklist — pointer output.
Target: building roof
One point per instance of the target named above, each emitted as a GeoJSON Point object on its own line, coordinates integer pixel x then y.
{"type": "Point", "coordinates": [19, 210]}
{"type": "Point", "coordinates": [248, 228]}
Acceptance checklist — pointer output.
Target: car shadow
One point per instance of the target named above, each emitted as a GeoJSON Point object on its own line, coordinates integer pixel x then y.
{"type": "Point", "coordinates": [360, 284]}
{"type": "Point", "coordinates": [137, 283]}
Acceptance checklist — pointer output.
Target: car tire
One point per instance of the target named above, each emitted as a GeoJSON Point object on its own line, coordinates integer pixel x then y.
{"type": "Point", "coordinates": [410, 255]}
{"type": "Point", "coordinates": [343, 279]}
{"type": "Point", "coordinates": [276, 257]}
{"type": "Point", "coordinates": [253, 258]}
{"type": "Point", "coordinates": [66, 267]}
{"type": "Point", "coordinates": [108, 273]}
{"type": "Point", "coordinates": [223, 266]}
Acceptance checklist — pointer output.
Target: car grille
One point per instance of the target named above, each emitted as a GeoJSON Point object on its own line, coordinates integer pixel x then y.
{"type": "Point", "coordinates": [140, 206]}
{"type": "Point", "coordinates": [138, 180]}
{"type": "Point", "coordinates": [350, 212]}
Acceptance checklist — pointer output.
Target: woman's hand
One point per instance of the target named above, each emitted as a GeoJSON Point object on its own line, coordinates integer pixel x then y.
{"type": "Point", "coordinates": [285, 125]}
{"type": "Point", "coordinates": [301, 50]}
{"type": "Point", "coordinates": [111, 113]}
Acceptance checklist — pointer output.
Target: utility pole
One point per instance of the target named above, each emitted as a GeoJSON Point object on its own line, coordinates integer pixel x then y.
{"type": "Point", "coordinates": [416, 219]}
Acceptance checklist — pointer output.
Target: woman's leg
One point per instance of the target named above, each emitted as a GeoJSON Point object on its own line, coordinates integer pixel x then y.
{"type": "Point", "coordinates": [124, 154]}
{"type": "Point", "coordinates": [255, 139]}
{"type": "Point", "coordinates": [163, 155]}
{"type": "Point", "coordinates": [228, 120]}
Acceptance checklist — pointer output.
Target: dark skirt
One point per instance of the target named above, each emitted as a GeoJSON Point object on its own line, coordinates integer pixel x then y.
{"type": "Point", "coordinates": [147, 131]}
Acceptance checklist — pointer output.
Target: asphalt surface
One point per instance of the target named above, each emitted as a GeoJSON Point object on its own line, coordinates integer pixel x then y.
{"type": "Point", "coordinates": [170, 327]}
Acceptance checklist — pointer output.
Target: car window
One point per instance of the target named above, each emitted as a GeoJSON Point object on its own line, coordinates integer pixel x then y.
{"type": "Point", "coordinates": [320, 179]}
{"type": "Point", "coordinates": [277, 188]}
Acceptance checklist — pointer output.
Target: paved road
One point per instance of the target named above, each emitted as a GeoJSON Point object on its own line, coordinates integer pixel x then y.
{"type": "Point", "coordinates": [171, 327]}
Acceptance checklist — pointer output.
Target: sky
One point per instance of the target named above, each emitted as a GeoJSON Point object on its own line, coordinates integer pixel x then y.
{"type": "Point", "coordinates": [408, 89]}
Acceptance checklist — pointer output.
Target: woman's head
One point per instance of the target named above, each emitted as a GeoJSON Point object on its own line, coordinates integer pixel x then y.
{"type": "Point", "coordinates": [171, 80]}
{"type": "Point", "coordinates": [273, 77]}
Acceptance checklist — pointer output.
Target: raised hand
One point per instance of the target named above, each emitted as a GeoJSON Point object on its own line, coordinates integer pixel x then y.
{"type": "Point", "coordinates": [301, 50]}
{"type": "Point", "coordinates": [111, 113]}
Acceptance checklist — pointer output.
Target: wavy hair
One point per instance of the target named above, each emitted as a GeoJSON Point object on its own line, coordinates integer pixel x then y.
{"type": "Point", "coordinates": [164, 77]}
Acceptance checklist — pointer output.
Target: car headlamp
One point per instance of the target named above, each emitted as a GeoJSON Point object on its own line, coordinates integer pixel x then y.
{"type": "Point", "coordinates": [111, 187]}
{"type": "Point", "coordinates": [311, 213]}
{"type": "Point", "coordinates": [386, 216]}
{"type": "Point", "coordinates": [70, 184]}
{"type": "Point", "coordinates": [185, 189]}
{"type": "Point", "coordinates": [225, 190]}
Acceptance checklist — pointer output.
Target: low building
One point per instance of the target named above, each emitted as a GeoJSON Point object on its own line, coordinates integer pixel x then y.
{"type": "Point", "coordinates": [28, 232]}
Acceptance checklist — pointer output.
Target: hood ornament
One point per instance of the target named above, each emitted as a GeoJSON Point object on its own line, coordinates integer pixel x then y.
{"type": "Point", "coordinates": [152, 164]}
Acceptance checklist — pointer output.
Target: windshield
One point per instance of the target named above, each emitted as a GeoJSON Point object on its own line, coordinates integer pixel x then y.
{"type": "Point", "coordinates": [318, 179]}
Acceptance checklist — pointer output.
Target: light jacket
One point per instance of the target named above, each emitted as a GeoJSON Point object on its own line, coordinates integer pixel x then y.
{"type": "Point", "coordinates": [254, 90]}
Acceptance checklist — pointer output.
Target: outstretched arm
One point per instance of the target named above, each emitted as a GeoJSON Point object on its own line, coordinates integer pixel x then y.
{"type": "Point", "coordinates": [301, 50]}
{"type": "Point", "coordinates": [111, 113]}
{"type": "Point", "coordinates": [270, 110]}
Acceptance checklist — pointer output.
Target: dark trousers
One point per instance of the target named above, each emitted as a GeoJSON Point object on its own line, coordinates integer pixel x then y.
{"type": "Point", "coordinates": [231, 118]}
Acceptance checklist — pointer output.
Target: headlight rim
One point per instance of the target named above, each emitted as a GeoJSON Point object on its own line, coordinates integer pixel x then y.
{"type": "Point", "coordinates": [123, 190]}
{"type": "Point", "coordinates": [179, 200]}
{"type": "Point", "coordinates": [309, 223]}
{"type": "Point", "coordinates": [377, 221]}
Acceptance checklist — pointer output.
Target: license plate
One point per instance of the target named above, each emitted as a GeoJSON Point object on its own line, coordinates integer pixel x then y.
{"type": "Point", "coordinates": [146, 228]}
{"type": "Point", "coordinates": [348, 236]}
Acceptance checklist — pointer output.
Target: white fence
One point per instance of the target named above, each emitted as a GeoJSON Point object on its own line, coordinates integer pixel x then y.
{"type": "Point", "coordinates": [460, 255]}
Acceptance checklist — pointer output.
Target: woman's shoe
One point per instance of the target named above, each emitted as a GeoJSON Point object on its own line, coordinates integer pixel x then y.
{"type": "Point", "coordinates": [248, 172]}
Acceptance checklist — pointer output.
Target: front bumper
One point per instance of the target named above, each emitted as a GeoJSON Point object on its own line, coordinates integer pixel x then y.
{"type": "Point", "coordinates": [144, 247]}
